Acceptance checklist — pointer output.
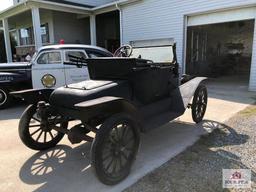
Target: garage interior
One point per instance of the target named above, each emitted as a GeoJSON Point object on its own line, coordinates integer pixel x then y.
{"type": "Point", "coordinates": [220, 50]}
{"type": "Point", "coordinates": [108, 30]}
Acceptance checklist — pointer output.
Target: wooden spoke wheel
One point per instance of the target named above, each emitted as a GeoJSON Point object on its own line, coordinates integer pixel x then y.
{"type": "Point", "coordinates": [38, 135]}
{"type": "Point", "coordinates": [199, 104]}
{"type": "Point", "coordinates": [114, 148]}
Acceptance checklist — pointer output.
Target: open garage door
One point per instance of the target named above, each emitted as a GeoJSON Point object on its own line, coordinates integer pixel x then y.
{"type": "Point", "coordinates": [108, 30]}
{"type": "Point", "coordinates": [220, 44]}
{"type": "Point", "coordinates": [222, 17]}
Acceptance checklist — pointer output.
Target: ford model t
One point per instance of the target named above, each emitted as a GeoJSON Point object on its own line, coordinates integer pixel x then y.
{"type": "Point", "coordinates": [135, 91]}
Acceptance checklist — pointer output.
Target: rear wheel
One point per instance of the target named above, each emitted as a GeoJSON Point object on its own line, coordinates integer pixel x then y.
{"type": "Point", "coordinates": [37, 135]}
{"type": "Point", "coordinates": [114, 148]}
{"type": "Point", "coordinates": [199, 104]}
{"type": "Point", "coordinates": [5, 98]}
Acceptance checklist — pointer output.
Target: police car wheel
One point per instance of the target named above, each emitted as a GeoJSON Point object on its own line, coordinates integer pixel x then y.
{"type": "Point", "coordinates": [5, 99]}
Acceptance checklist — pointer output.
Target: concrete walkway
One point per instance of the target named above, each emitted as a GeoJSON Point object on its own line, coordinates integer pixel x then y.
{"type": "Point", "coordinates": [67, 167]}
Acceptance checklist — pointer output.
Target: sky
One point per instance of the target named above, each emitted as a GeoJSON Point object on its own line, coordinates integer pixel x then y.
{"type": "Point", "coordinates": [5, 4]}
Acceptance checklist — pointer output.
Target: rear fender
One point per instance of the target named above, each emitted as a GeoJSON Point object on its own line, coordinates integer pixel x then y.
{"type": "Point", "coordinates": [33, 96]}
{"type": "Point", "coordinates": [104, 107]}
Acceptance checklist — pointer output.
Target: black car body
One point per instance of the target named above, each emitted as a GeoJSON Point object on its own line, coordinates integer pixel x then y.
{"type": "Point", "coordinates": [124, 97]}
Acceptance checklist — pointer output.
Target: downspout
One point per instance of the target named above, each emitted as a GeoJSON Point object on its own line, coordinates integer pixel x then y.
{"type": "Point", "coordinates": [121, 23]}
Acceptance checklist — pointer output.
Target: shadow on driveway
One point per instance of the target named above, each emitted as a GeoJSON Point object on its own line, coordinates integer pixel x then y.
{"type": "Point", "coordinates": [68, 169]}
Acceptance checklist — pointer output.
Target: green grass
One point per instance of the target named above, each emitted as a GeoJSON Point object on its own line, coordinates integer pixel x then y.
{"type": "Point", "coordinates": [249, 111]}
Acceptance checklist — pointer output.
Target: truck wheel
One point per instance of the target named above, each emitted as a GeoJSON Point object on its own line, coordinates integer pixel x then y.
{"type": "Point", "coordinates": [199, 103]}
{"type": "Point", "coordinates": [114, 148]}
{"type": "Point", "coordinates": [36, 135]}
{"type": "Point", "coordinates": [5, 98]}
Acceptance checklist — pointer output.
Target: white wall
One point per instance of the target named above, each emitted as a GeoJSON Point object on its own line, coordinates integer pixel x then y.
{"type": "Point", "coordinates": [68, 27]}
{"type": "Point", "coordinates": [150, 19]}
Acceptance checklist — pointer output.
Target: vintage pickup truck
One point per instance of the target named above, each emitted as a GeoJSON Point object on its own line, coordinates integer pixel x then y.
{"type": "Point", "coordinates": [46, 70]}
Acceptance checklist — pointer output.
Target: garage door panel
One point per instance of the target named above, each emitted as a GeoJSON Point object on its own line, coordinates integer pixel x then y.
{"type": "Point", "coordinates": [224, 16]}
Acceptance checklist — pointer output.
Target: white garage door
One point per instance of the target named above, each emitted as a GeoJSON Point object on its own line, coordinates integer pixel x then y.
{"type": "Point", "coordinates": [224, 16]}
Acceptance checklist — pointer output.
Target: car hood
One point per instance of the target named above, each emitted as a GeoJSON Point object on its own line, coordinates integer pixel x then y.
{"type": "Point", "coordinates": [89, 84]}
{"type": "Point", "coordinates": [72, 94]}
{"type": "Point", "coordinates": [15, 65]}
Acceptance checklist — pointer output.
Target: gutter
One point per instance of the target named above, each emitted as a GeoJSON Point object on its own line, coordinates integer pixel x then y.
{"type": "Point", "coordinates": [30, 3]}
{"type": "Point", "coordinates": [114, 4]}
{"type": "Point", "coordinates": [59, 4]}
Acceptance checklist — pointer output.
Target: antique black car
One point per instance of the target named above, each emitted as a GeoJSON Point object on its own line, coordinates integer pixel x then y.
{"type": "Point", "coordinates": [135, 91]}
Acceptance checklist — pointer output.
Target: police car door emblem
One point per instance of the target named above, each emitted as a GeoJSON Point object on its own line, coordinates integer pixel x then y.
{"type": "Point", "coordinates": [48, 81]}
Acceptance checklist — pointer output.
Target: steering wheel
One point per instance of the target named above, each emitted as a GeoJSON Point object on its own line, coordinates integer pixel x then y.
{"type": "Point", "coordinates": [124, 51]}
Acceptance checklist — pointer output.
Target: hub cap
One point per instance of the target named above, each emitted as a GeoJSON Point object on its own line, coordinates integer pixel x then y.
{"type": "Point", "coordinates": [3, 97]}
{"type": "Point", "coordinates": [42, 132]}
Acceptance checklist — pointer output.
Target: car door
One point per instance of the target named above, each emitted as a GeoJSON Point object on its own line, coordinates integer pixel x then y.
{"type": "Point", "coordinates": [48, 70]}
{"type": "Point", "coordinates": [75, 74]}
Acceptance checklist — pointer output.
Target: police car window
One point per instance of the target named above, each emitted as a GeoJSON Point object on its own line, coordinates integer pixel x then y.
{"type": "Point", "coordinates": [49, 58]}
{"type": "Point", "coordinates": [94, 54]}
{"type": "Point", "coordinates": [79, 54]}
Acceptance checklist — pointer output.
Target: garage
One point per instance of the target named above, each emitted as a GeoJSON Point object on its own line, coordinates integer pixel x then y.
{"type": "Point", "coordinates": [220, 44]}
{"type": "Point", "coordinates": [108, 30]}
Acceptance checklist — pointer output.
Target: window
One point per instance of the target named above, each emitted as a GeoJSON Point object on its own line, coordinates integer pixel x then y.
{"type": "Point", "coordinates": [27, 35]}
{"type": "Point", "coordinates": [69, 54]}
{"type": "Point", "coordinates": [95, 54]}
{"type": "Point", "coordinates": [49, 58]}
{"type": "Point", "coordinates": [45, 33]}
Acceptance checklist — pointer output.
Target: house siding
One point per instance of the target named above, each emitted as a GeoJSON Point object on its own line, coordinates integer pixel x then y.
{"type": "Point", "coordinates": [252, 86]}
{"type": "Point", "coordinates": [151, 19]}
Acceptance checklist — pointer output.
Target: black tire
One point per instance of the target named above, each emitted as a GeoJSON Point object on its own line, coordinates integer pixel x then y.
{"type": "Point", "coordinates": [32, 140]}
{"type": "Point", "coordinates": [199, 103]}
{"type": "Point", "coordinates": [5, 98]}
{"type": "Point", "coordinates": [118, 139]}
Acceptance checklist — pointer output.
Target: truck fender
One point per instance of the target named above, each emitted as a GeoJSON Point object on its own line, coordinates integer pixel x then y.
{"type": "Point", "coordinates": [33, 96]}
{"type": "Point", "coordinates": [107, 106]}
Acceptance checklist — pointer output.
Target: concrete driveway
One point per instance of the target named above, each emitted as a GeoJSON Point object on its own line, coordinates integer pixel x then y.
{"type": "Point", "coordinates": [67, 167]}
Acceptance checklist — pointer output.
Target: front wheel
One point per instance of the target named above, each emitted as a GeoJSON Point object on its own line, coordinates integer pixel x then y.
{"type": "Point", "coordinates": [5, 98]}
{"type": "Point", "coordinates": [114, 148]}
{"type": "Point", "coordinates": [199, 103]}
{"type": "Point", "coordinates": [37, 135]}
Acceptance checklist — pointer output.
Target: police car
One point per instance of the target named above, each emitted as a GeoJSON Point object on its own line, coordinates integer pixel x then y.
{"type": "Point", "coordinates": [47, 69]}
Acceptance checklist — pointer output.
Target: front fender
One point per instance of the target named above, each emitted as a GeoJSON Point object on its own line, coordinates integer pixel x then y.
{"type": "Point", "coordinates": [33, 96]}
{"type": "Point", "coordinates": [12, 78]}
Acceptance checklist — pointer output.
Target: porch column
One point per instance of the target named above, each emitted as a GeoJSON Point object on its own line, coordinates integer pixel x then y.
{"type": "Point", "coordinates": [37, 27]}
{"type": "Point", "coordinates": [7, 40]}
{"type": "Point", "coordinates": [93, 29]}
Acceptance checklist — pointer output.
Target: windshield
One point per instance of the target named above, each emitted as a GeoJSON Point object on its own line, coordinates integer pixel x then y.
{"type": "Point", "coordinates": [34, 57]}
{"type": "Point", "coordinates": [163, 54]}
